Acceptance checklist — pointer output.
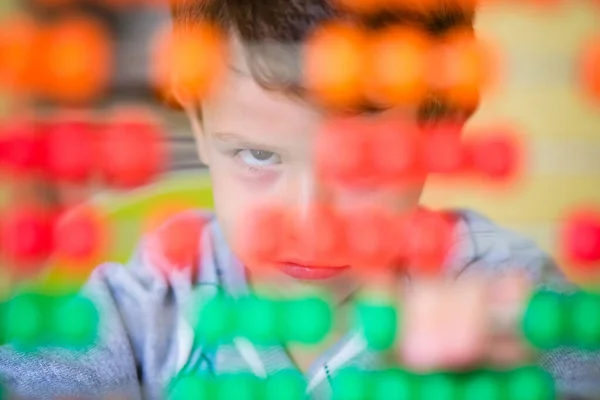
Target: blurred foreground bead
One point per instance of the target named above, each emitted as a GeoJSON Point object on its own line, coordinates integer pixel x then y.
{"type": "Point", "coordinates": [396, 73]}
{"type": "Point", "coordinates": [75, 322]}
{"type": "Point", "coordinates": [439, 386]}
{"type": "Point", "coordinates": [239, 386]}
{"type": "Point", "coordinates": [496, 156]}
{"type": "Point", "coordinates": [590, 69]}
{"type": "Point", "coordinates": [70, 145]}
{"type": "Point", "coordinates": [351, 384]}
{"type": "Point", "coordinates": [188, 62]}
{"type": "Point", "coordinates": [260, 238]}
{"type": "Point", "coordinates": [77, 58]}
{"type": "Point", "coordinates": [216, 319]}
{"type": "Point", "coordinates": [545, 320]}
{"type": "Point", "coordinates": [427, 238]}
{"type": "Point", "coordinates": [395, 384]}
{"type": "Point", "coordinates": [285, 385]}
{"type": "Point", "coordinates": [584, 320]}
{"type": "Point", "coordinates": [132, 150]}
{"type": "Point", "coordinates": [318, 236]}
{"type": "Point", "coordinates": [378, 322]}
{"type": "Point", "coordinates": [81, 239]}
{"type": "Point", "coordinates": [258, 319]}
{"type": "Point", "coordinates": [334, 65]}
{"type": "Point", "coordinates": [306, 320]}
{"type": "Point", "coordinates": [580, 240]}
{"type": "Point", "coordinates": [530, 383]}
{"type": "Point", "coordinates": [19, 45]}
{"type": "Point", "coordinates": [372, 240]}
{"type": "Point", "coordinates": [483, 385]}
{"type": "Point", "coordinates": [26, 320]}
{"type": "Point", "coordinates": [462, 68]}
{"type": "Point", "coordinates": [192, 387]}
{"type": "Point", "coordinates": [22, 147]}
{"type": "Point", "coordinates": [443, 150]}
{"type": "Point", "coordinates": [26, 235]}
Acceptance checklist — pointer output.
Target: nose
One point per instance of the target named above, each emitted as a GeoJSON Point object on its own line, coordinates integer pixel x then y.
{"type": "Point", "coordinates": [311, 192]}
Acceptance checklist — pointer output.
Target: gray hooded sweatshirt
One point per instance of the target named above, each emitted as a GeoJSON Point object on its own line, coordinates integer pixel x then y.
{"type": "Point", "coordinates": [146, 338]}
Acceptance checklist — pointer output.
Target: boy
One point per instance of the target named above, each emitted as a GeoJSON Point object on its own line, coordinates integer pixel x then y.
{"type": "Point", "coordinates": [257, 144]}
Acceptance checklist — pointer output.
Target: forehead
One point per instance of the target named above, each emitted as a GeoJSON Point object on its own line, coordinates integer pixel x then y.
{"type": "Point", "coordinates": [239, 99]}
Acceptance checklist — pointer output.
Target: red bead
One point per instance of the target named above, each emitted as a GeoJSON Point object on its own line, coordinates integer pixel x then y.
{"type": "Point", "coordinates": [394, 146]}
{"type": "Point", "coordinates": [80, 237]}
{"type": "Point", "coordinates": [443, 150]}
{"type": "Point", "coordinates": [372, 239]}
{"type": "Point", "coordinates": [132, 150]}
{"type": "Point", "coordinates": [179, 240]}
{"type": "Point", "coordinates": [496, 157]}
{"type": "Point", "coordinates": [580, 239]}
{"type": "Point", "coordinates": [23, 147]}
{"type": "Point", "coordinates": [27, 237]}
{"type": "Point", "coordinates": [261, 236]}
{"type": "Point", "coordinates": [341, 151]}
{"type": "Point", "coordinates": [318, 236]}
{"type": "Point", "coordinates": [71, 154]}
{"type": "Point", "coordinates": [427, 238]}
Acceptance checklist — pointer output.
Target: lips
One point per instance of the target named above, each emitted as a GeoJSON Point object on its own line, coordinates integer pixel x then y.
{"type": "Point", "coordinates": [310, 272]}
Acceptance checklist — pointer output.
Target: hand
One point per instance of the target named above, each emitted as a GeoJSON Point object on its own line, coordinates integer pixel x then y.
{"type": "Point", "coordinates": [464, 323]}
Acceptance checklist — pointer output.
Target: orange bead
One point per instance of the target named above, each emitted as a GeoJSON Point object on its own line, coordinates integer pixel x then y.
{"type": "Point", "coordinates": [76, 60]}
{"type": "Point", "coordinates": [186, 64]}
{"type": "Point", "coordinates": [19, 39]}
{"type": "Point", "coordinates": [590, 69]}
{"type": "Point", "coordinates": [397, 67]}
{"type": "Point", "coordinates": [462, 67]}
{"type": "Point", "coordinates": [361, 6]}
{"type": "Point", "coordinates": [335, 65]}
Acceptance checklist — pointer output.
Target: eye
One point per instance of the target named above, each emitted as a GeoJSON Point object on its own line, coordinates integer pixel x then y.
{"type": "Point", "coordinates": [259, 158]}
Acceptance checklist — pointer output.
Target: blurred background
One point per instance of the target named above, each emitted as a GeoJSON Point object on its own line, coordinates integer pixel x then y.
{"type": "Point", "coordinates": [541, 95]}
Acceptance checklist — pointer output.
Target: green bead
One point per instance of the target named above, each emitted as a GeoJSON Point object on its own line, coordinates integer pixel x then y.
{"type": "Point", "coordinates": [257, 319]}
{"type": "Point", "coordinates": [352, 384]}
{"type": "Point", "coordinates": [483, 385]}
{"type": "Point", "coordinates": [306, 320]}
{"type": "Point", "coordinates": [285, 385]}
{"type": "Point", "coordinates": [378, 322]}
{"type": "Point", "coordinates": [585, 320]}
{"type": "Point", "coordinates": [394, 384]}
{"type": "Point", "coordinates": [216, 319]}
{"type": "Point", "coordinates": [25, 319]}
{"type": "Point", "coordinates": [544, 323]}
{"type": "Point", "coordinates": [75, 322]}
{"type": "Point", "coordinates": [530, 383]}
{"type": "Point", "coordinates": [439, 386]}
{"type": "Point", "coordinates": [237, 386]}
{"type": "Point", "coordinates": [191, 387]}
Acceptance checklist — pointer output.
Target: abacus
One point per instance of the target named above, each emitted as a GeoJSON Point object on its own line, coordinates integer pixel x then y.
{"type": "Point", "coordinates": [66, 65]}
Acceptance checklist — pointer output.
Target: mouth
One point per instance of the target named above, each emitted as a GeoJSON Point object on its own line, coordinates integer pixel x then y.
{"type": "Point", "coordinates": [310, 272]}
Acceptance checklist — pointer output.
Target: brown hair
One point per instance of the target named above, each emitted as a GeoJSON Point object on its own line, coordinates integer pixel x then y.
{"type": "Point", "coordinates": [289, 22]}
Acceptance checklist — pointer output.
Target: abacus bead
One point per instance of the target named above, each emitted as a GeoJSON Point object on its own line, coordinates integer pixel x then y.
{"type": "Point", "coordinates": [379, 324]}
{"type": "Point", "coordinates": [394, 384]}
{"type": "Point", "coordinates": [351, 384]}
{"type": "Point", "coordinates": [285, 385]}
{"type": "Point", "coordinates": [530, 383]}
{"type": "Point", "coordinates": [545, 319]}
{"type": "Point", "coordinates": [75, 322]}
{"type": "Point", "coordinates": [585, 320]}
{"type": "Point", "coordinates": [307, 320]}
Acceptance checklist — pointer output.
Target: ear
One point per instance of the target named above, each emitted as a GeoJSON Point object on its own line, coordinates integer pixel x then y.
{"type": "Point", "coordinates": [199, 134]}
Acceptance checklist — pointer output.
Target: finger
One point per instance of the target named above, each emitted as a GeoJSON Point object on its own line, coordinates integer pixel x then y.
{"type": "Point", "coordinates": [508, 297]}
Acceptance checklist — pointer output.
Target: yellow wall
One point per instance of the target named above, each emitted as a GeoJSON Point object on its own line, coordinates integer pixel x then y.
{"type": "Point", "coordinates": [540, 97]}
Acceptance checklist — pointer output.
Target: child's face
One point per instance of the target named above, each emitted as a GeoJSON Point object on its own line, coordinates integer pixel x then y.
{"type": "Point", "coordinates": [259, 147]}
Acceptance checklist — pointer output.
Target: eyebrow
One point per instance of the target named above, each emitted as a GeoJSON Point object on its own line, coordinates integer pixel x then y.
{"type": "Point", "coordinates": [244, 141]}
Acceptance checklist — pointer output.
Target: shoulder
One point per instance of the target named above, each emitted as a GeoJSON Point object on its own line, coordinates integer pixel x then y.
{"type": "Point", "coordinates": [482, 245]}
